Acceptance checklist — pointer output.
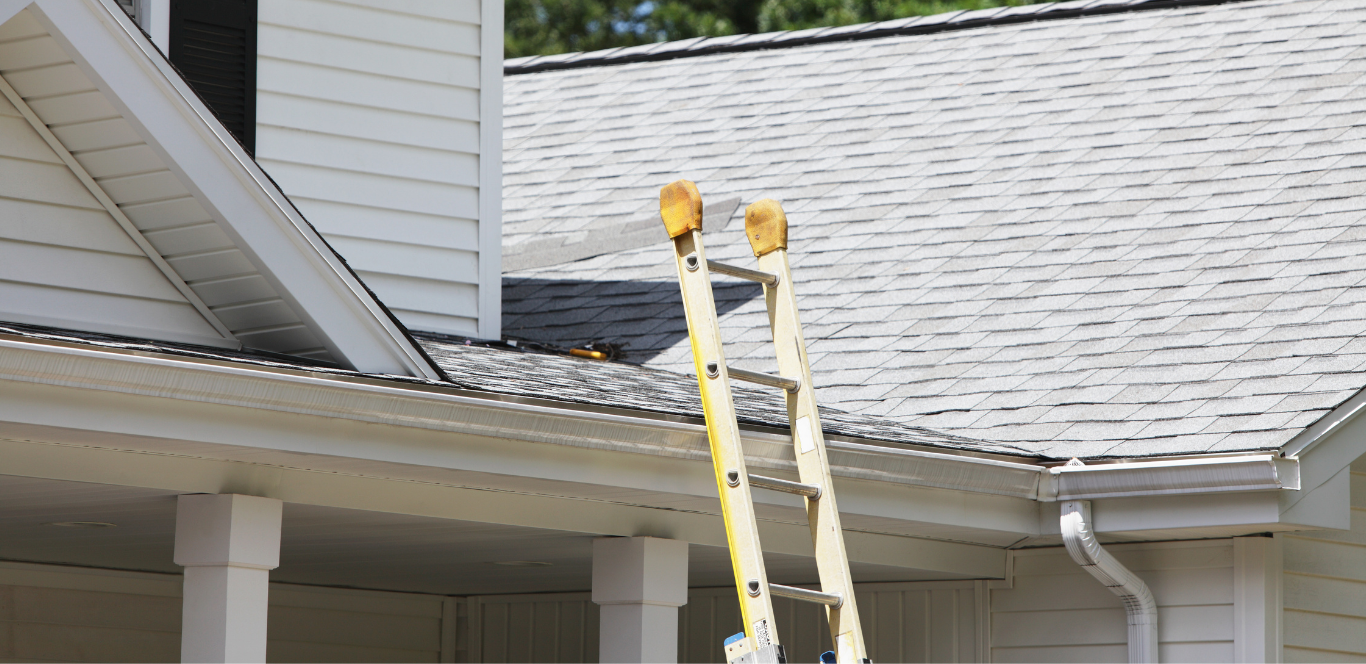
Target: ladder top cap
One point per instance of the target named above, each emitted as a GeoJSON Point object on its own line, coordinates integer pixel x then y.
{"type": "Point", "coordinates": [680, 205]}
{"type": "Point", "coordinates": [766, 226]}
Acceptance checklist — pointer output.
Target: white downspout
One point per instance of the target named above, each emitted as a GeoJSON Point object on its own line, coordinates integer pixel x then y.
{"type": "Point", "coordinates": [1138, 601]}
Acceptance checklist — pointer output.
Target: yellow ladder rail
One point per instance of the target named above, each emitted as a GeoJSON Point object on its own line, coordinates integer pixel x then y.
{"type": "Point", "coordinates": [766, 228]}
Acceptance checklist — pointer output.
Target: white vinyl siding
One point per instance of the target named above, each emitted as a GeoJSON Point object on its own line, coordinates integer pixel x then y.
{"type": "Point", "coordinates": [73, 614]}
{"type": "Point", "coordinates": [113, 287]}
{"type": "Point", "coordinates": [1055, 612]}
{"type": "Point", "coordinates": [1325, 588]}
{"type": "Point", "coordinates": [368, 117]}
{"type": "Point", "coordinates": [903, 622]}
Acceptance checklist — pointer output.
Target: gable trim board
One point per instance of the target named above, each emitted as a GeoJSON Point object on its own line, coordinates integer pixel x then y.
{"type": "Point", "coordinates": [256, 216]}
{"type": "Point", "coordinates": [228, 340]}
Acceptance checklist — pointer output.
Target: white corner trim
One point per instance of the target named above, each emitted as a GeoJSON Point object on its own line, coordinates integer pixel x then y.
{"type": "Point", "coordinates": [490, 323]}
{"type": "Point", "coordinates": [152, 97]}
{"type": "Point", "coordinates": [229, 340]}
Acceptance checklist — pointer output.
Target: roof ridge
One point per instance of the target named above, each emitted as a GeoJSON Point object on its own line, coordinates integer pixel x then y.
{"type": "Point", "coordinates": [914, 25]}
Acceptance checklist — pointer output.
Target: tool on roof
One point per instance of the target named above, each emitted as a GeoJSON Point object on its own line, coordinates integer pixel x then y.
{"type": "Point", "coordinates": [680, 205]}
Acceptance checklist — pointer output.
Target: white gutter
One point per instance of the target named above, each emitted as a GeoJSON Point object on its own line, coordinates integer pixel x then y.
{"type": "Point", "coordinates": [445, 408]}
{"type": "Point", "coordinates": [1139, 604]}
{"type": "Point", "coordinates": [1249, 472]}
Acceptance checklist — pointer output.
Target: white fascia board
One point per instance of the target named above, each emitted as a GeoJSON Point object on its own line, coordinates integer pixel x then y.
{"type": "Point", "coordinates": [426, 406]}
{"type": "Point", "coordinates": [1325, 452]}
{"type": "Point", "coordinates": [411, 433]}
{"type": "Point", "coordinates": [261, 221]}
{"type": "Point", "coordinates": [1329, 424]}
{"type": "Point", "coordinates": [449, 410]}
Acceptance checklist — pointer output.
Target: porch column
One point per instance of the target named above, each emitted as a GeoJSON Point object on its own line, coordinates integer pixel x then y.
{"type": "Point", "coordinates": [227, 544]}
{"type": "Point", "coordinates": [640, 582]}
{"type": "Point", "coordinates": [1257, 599]}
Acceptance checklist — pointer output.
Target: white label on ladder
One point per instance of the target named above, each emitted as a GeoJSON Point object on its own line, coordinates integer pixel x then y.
{"type": "Point", "coordinates": [808, 441]}
{"type": "Point", "coordinates": [844, 647]}
{"type": "Point", "coordinates": [762, 637]}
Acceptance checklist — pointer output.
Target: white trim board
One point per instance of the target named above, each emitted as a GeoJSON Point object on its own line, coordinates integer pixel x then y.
{"type": "Point", "coordinates": [255, 428]}
{"type": "Point", "coordinates": [491, 169]}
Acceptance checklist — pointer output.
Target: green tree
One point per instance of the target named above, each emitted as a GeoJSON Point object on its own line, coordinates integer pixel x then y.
{"type": "Point", "coordinates": [544, 27]}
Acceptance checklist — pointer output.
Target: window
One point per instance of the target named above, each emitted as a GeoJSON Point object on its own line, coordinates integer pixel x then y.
{"type": "Point", "coordinates": [213, 44]}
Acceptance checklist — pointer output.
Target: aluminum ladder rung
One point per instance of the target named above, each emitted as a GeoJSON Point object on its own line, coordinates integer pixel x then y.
{"type": "Point", "coordinates": [766, 278]}
{"type": "Point", "coordinates": [680, 208]}
{"type": "Point", "coordinates": [833, 600]}
{"type": "Point", "coordinates": [812, 491]}
{"type": "Point", "coordinates": [789, 384]}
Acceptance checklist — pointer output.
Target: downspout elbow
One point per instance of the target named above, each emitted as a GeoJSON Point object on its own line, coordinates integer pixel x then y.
{"type": "Point", "coordinates": [1139, 604]}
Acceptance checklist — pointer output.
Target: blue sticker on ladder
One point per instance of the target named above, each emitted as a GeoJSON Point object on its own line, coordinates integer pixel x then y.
{"type": "Point", "coordinates": [733, 639]}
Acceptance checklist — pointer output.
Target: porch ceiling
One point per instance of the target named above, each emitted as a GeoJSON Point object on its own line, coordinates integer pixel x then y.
{"type": "Point", "coordinates": [342, 547]}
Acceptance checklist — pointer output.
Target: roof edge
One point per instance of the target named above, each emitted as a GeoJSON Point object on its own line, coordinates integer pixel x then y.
{"type": "Point", "coordinates": [915, 25]}
{"type": "Point", "coordinates": [440, 408]}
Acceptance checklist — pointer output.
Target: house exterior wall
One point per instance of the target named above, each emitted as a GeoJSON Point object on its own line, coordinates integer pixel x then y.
{"type": "Point", "coordinates": [1055, 612]}
{"type": "Point", "coordinates": [904, 622]}
{"type": "Point", "coordinates": [382, 122]}
{"type": "Point", "coordinates": [73, 614]}
{"type": "Point", "coordinates": [1324, 586]}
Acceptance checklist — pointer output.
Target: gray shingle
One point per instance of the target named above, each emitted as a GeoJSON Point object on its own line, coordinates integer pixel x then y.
{"type": "Point", "coordinates": [1160, 210]}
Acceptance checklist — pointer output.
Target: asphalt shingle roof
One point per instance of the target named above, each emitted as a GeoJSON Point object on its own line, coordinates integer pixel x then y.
{"type": "Point", "coordinates": [1119, 235]}
{"type": "Point", "coordinates": [537, 375]}
{"type": "Point", "coordinates": [616, 385]}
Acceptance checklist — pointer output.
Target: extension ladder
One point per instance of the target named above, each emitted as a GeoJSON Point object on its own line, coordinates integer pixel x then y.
{"type": "Point", "coordinates": [680, 205]}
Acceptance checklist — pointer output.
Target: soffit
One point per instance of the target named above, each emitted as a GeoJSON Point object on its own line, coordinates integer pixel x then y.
{"type": "Point", "coordinates": [340, 547]}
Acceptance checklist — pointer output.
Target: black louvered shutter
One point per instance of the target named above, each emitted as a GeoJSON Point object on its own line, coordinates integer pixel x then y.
{"type": "Point", "coordinates": [213, 44]}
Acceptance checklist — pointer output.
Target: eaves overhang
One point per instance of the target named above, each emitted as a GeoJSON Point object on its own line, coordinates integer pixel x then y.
{"type": "Point", "coordinates": [401, 401]}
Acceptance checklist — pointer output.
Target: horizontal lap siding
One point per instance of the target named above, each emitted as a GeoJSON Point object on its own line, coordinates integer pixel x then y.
{"type": "Point", "coordinates": [368, 117]}
{"type": "Point", "coordinates": [50, 613]}
{"type": "Point", "coordinates": [1055, 612]}
{"type": "Point", "coordinates": [903, 622]}
{"type": "Point", "coordinates": [1325, 589]}
{"type": "Point", "coordinates": [69, 242]}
